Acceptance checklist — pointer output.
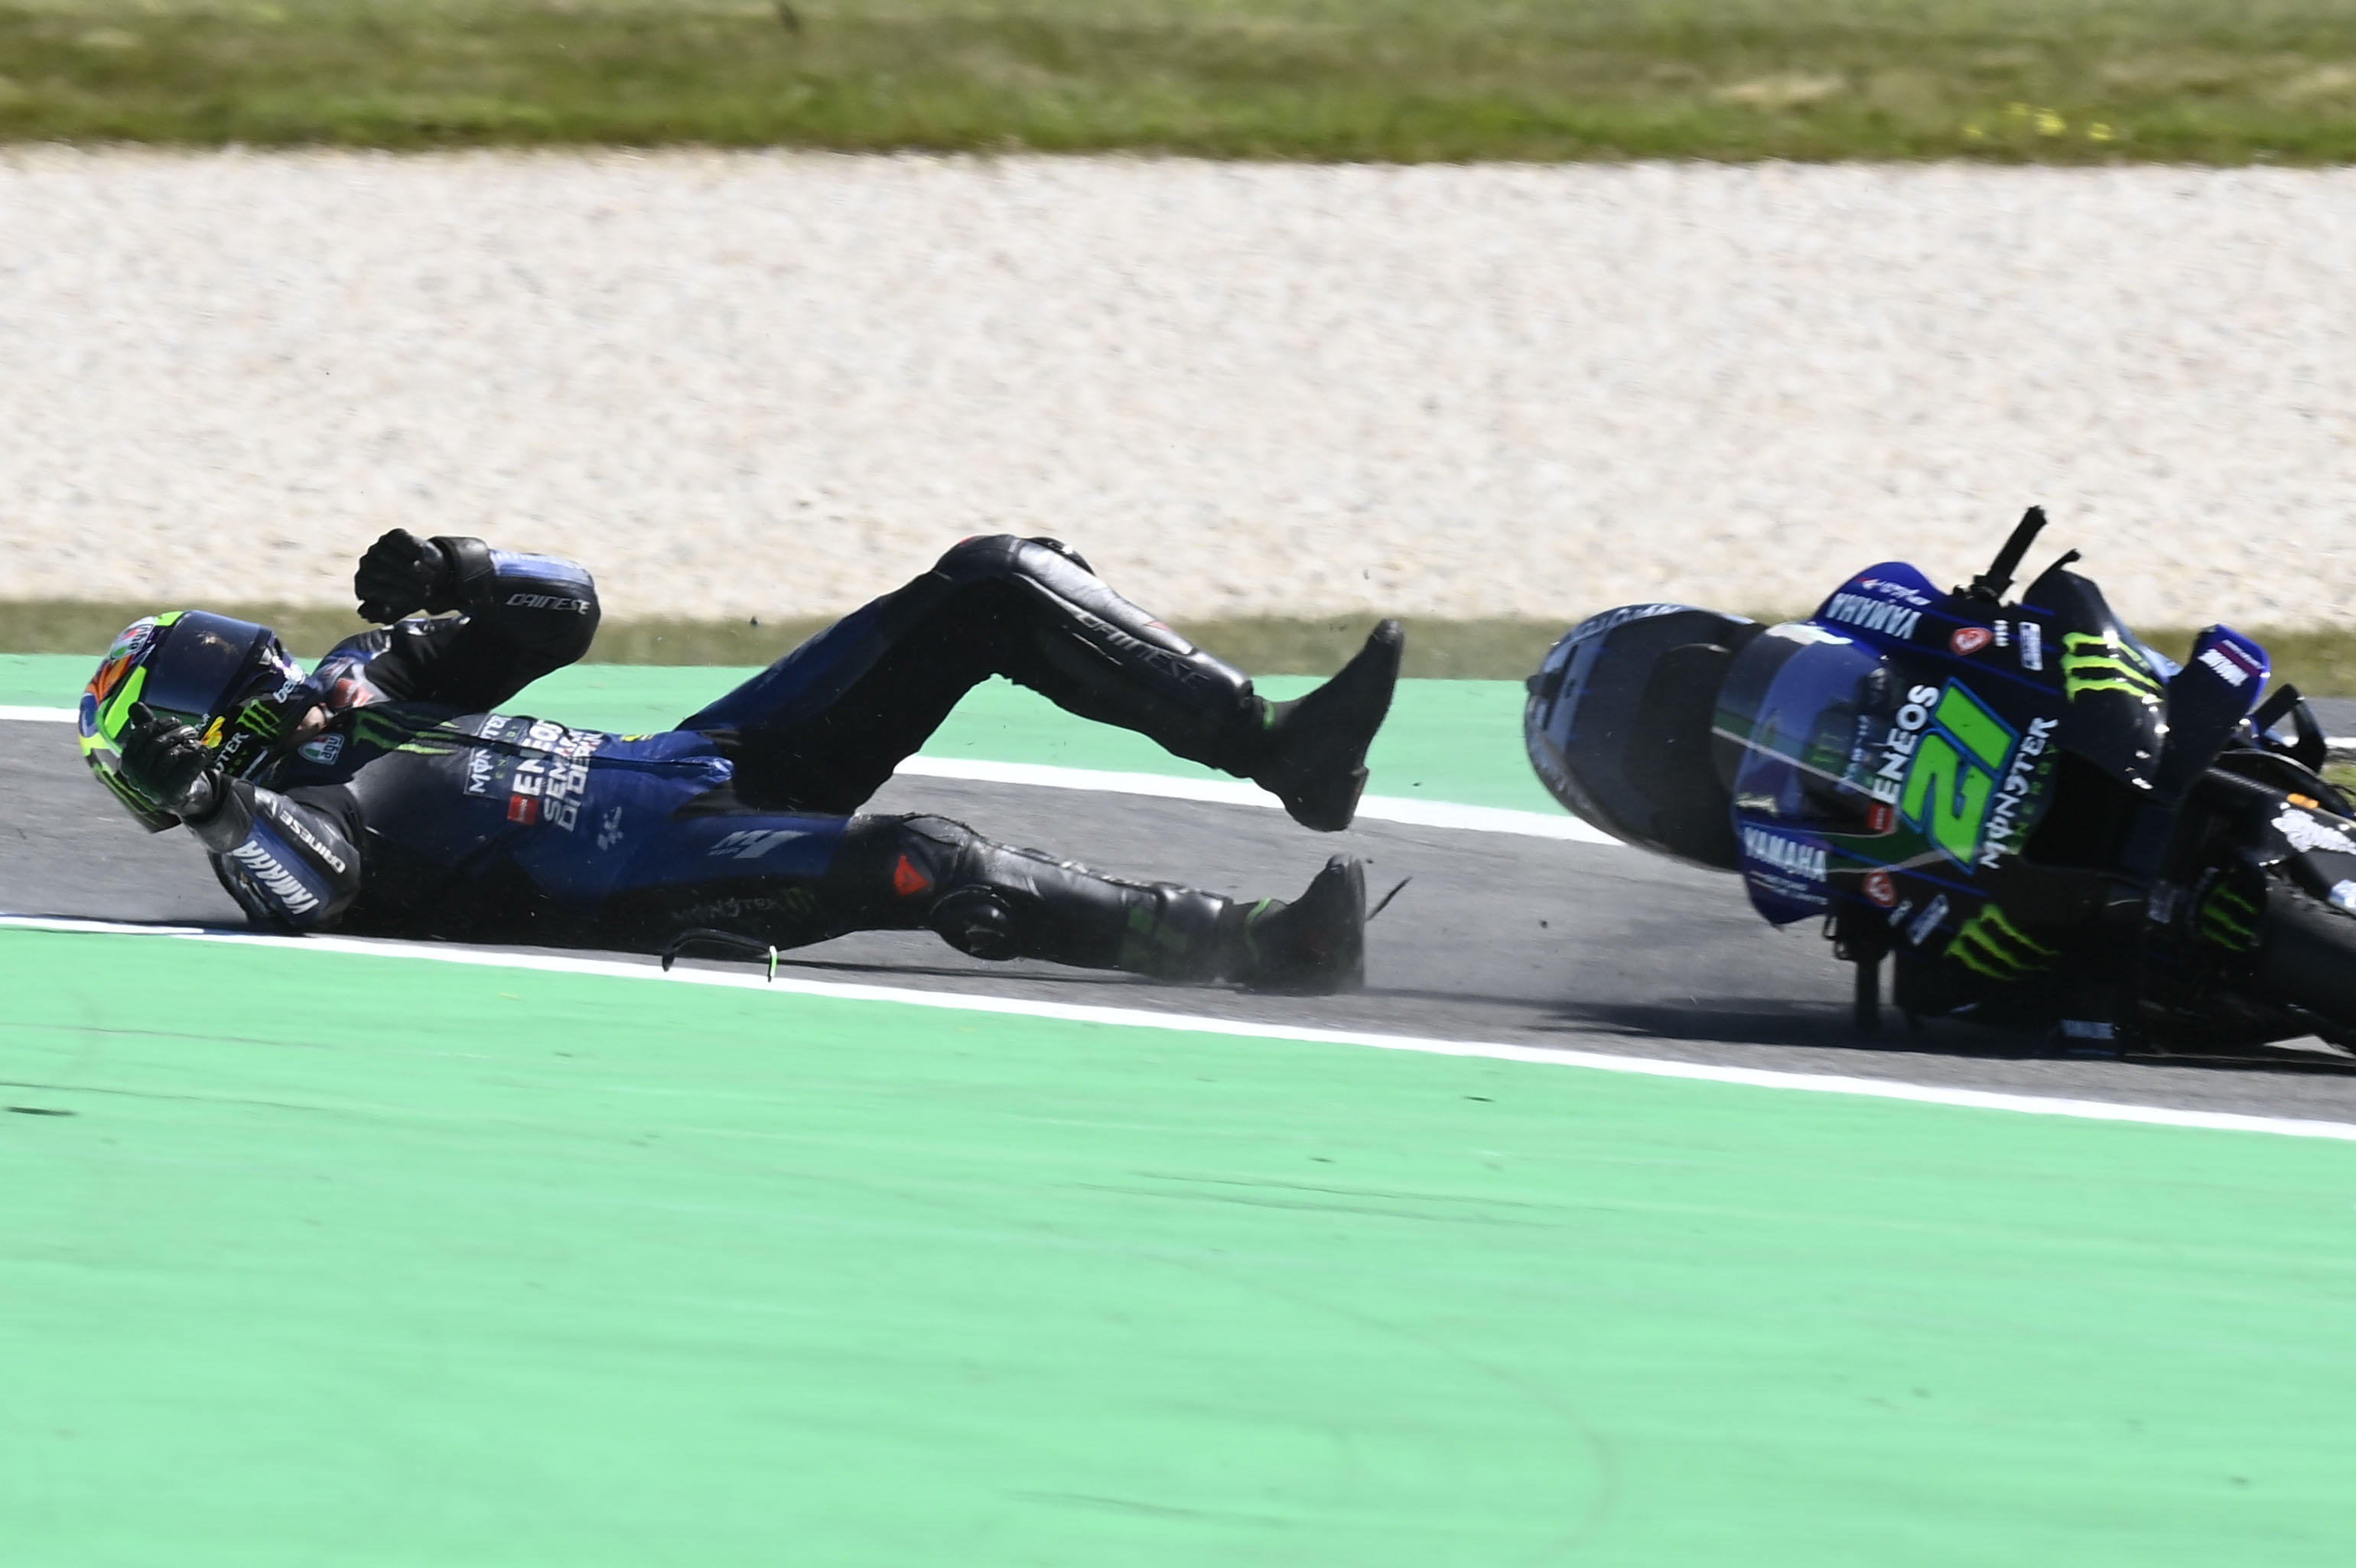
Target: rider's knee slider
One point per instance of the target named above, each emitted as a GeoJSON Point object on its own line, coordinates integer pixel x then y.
{"type": "Point", "coordinates": [979, 922]}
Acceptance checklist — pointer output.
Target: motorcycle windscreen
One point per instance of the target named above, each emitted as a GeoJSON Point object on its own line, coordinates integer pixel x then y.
{"type": "Point", "coordinates": [1797, 711]}
{"type": "Point", "coordinates": [1794, 724]}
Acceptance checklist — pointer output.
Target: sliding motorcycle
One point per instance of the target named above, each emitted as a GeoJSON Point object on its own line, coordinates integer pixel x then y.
{"type": "Point", "coordinates": [2032, 818]}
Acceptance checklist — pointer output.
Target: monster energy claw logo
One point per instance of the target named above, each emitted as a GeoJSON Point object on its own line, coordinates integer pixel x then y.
{"type": "Point", "coordinates": [262, 718]}
{"type": "Point", "coordinates": [2229, 919]}
{"type": "Point", "coordinates": [2103, 662]}
{"type": "Point", "coordinates": [392, 732]}
{"type": "Point", "coordinates": [1990, 945]}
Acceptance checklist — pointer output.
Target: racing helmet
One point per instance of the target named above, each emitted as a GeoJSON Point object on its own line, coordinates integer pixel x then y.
{"type": "Point", "coordinates": [231, 680]}
{"type": "Point", "coordinates": [1618, 725]}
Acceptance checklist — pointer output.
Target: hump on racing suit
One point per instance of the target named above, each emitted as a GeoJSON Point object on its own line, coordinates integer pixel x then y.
{"type": "Point", "coordinates": [291, 855]}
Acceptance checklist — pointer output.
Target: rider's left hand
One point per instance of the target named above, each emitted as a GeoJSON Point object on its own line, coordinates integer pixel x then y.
{"type": "Point", "coordinates": [400, 574]}
{"type": "Point", "coordinates": [166, 762]}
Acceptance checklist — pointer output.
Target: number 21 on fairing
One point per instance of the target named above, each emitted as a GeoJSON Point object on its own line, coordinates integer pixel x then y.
{"type": "Point", "coordinates": [1952, 781]}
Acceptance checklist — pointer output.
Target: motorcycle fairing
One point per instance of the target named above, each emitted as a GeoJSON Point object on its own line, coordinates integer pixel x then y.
{"type": "Point", "coordinates": [2208, 702]}
{"type": "Point", "coordinates": [2240, 664]}
{"type": "Point", "coordinates": [2115, 688]}
{"type": "Point", "coordinates": [1618, 727]}
{"type": "Point", "coordinates": [1790, 713]}
{"type": "Point", "coordinates": [1948, 711]}
{"type": "Point", "coordinates": [1957, 757]}
{"type": "Point", "coordinates": [2317, 850]}
{"type": "Point", "coordinates": [1892, 607]}
{"type": "Point", "coordinates": [1786, 871]}
{"type": "Point", "coordinates": [1886, 601]}
{"type": "Point", "coordinates": [2046, 824]}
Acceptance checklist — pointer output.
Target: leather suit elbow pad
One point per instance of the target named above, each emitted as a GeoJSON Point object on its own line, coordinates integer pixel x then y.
{"type": "Point", "coordinates": [538, 602]}
{"type": "Point", "coordinates": [286, 863]}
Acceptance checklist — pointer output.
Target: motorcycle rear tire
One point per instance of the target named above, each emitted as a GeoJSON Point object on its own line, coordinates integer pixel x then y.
{"type": "Point", "coordinates": [2310, 958]}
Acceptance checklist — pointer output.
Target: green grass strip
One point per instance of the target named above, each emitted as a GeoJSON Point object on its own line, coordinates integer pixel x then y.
{"type": "Point", "coordinates": [2322, 661]}
{"type": "Point", "coordinates": [2011, 80]}
{"type": "Point", "coordinates": [324, 1260]}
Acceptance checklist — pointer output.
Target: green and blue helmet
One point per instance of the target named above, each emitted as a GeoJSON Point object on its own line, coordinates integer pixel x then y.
{"type": "Point", "coordinates": [231, 680]}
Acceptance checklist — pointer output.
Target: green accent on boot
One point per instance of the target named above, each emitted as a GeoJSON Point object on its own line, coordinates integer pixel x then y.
{"type": "Point", "coordinates": [1163, 941]}
{"type": "Point", "coordinates": [1137, 946]}
{"type": "Point", "coordinates": [1311, 945]}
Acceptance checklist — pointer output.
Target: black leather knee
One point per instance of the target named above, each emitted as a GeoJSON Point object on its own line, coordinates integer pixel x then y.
{"type": "Point", "coordinates": [980, 922]}
{"type": "Point", "coordinates": [1096, 654]}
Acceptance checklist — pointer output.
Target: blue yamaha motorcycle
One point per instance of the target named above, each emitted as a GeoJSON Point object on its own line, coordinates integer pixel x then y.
{"type": "Point", "coordinates": [2038, 821]}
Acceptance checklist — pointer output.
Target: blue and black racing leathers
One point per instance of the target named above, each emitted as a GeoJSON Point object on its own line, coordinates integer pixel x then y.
{"type": "Point", "coordinates": [421, 811]}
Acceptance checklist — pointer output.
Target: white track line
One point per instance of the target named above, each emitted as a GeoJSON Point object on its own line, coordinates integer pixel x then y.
{"type": "Point", "coordinates": [1188, 1023]}
{"type": "Point", "coordinates": [1221, 792]}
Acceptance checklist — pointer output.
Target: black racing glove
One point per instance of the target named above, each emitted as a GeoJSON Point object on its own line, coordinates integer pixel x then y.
{"type": "Point", "coordinates": [402, 574]}
{"type": "Point", "coordinates": [165, 761]}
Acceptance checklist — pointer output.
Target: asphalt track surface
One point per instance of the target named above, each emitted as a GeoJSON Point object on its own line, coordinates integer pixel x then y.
{"type": "Point", "coordinates": [1496, 937]}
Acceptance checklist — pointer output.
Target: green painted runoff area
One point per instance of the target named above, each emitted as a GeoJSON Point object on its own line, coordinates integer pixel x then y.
{"type": "Point", "coordinates": [1457, 741]}
{"type": "Point", "coordinates": [312, 1258]}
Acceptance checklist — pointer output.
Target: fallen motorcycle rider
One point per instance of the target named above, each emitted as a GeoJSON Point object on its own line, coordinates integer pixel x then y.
{"type": "Point", "coordinates": [382, 794]}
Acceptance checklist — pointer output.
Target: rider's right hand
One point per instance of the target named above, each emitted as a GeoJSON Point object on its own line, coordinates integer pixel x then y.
{"type": "Point", "coordinates": [166, 762]}
{"type": "Point", "coordinates": [402, 574]}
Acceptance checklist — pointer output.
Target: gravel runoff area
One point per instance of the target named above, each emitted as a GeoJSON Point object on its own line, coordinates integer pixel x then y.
{"type": "Point", "coordinates": [768, 383]}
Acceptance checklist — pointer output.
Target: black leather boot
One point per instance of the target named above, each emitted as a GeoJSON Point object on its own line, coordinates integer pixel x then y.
{"type": "Point", "coordinates": [1314, 757]}
{"type": "Point", "coordinates": [1000, 902]}
{"type": "Point", "coordinates": [1313, 947]}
